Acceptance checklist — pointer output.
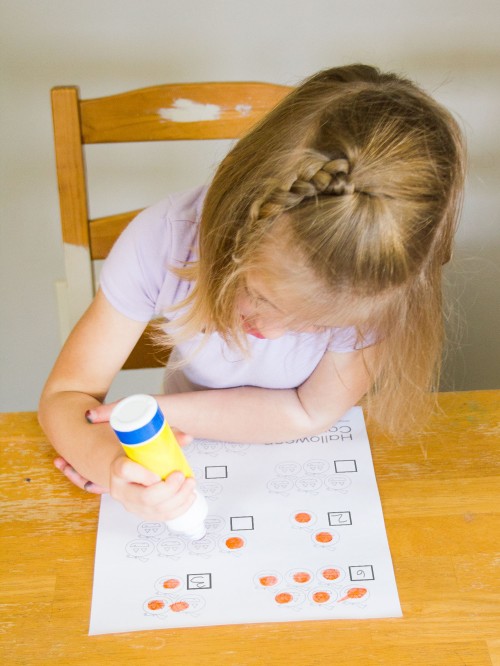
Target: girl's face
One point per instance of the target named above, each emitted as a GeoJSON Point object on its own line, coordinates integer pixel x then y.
{"type": "Point", "coordinates": [281, 294]}
{"type": "Point", "coordinates": [265, 316]}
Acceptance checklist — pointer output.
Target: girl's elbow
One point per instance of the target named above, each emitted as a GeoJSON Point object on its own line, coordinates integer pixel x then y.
{"type": "Point", "coordinates": [306, 424]}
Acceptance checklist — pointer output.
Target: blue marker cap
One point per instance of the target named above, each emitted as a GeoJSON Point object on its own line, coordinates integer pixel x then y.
{"type": "Point", "coordinates": [136, 419]}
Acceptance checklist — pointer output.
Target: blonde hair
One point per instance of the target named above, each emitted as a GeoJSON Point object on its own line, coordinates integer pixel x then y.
{"type": "Point", "coordinates": [361, 173]}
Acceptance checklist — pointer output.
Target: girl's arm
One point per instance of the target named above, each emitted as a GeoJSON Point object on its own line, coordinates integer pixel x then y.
{"type": "Point", "coordinates": [82, 375]}
{"type": "Point", "coordinates": [265, 415]}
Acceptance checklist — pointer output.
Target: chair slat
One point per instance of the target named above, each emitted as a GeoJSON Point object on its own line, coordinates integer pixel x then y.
{"type": "Point", "coordinates": [146, 354]}
{"type": "Point", "coordinates": [105, 230]}
{"type": "Point", "coordinates": [70, 166]}
{"type": "Point", "coordinates": [178, 111]}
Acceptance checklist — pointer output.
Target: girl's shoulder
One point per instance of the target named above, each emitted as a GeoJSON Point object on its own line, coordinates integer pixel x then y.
{"type": "Point", "coordinates": [162, 236]}
{"type": "Point", "coordinates": [175, 215]}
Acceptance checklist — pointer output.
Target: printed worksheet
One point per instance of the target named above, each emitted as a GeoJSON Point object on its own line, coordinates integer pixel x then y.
{"type": "Point", "coordinates": [295, 531]}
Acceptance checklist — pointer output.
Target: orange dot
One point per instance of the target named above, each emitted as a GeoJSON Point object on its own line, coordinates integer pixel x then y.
{"type": "Point", "coordinates": [156, 604]}
{"type": "Point", "coordinates": [303, 517]}
{"type": "Point", "coordinates": [171, 583]}
{"type": "Point", "coordinates": [324, 537]}
{"type": "Point", "coordinates": [301, 577]}
{"type": "Point", "coordinates": [330, 574]}
{"type": "Point", "coordinates": [234, 542]}
{"type": "Point", "coordinates": [321, 597]}
{"type": "Point", "coordinates": [355, 593]}
{"type": "Point", "coordinates": [179, 606]}
{"type": "Point", "coordinates": [283, 598]}
{"type": "Point", "coordinates": [268, 581]}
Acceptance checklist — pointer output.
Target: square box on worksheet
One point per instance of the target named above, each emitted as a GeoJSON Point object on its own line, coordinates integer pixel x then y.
{"type": "Point", "coordinates": [216, 472]}
{"type": "Point", "coordinates": [345, 466]}
{"type": "Point", "coordinates": [241, 523]}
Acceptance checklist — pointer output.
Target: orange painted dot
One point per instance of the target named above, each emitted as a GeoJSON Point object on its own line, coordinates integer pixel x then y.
{"type": "Point", "coordinates": [324, 537]}
{"type": "Point", "coordinates": [301, 577]}
{"type": "Point", "coordinates": [268, 581]}
{"type": "Point", "coordinates": [234, 543]}
{"type": "Point", "coordinates": [303, 517]}
{"type": "Point", "coordinates": [283, 598]}
{"type": "Point", "coordinates": [355, 593]}
{"type": "Point", "coordinates": [156, 604]}
{"type": "Point", "coordinates": [321, 597]}
{"type": "Point", "coordinates": [330, 574]}
{"type": "Point", "coordinates": [171, 583]}
{"type": "Point", "coordinates": [179, 606]}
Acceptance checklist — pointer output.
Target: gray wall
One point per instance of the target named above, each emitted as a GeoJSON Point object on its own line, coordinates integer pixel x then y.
{"type": "Point", "coordinates": [450, 47]}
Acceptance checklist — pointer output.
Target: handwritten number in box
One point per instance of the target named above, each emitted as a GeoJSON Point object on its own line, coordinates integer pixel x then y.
{"type": "Point", "coordinates": [363, 572]}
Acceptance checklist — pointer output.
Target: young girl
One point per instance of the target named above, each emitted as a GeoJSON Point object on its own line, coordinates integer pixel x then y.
{"type": "Point", "coordinates": [307, 276]}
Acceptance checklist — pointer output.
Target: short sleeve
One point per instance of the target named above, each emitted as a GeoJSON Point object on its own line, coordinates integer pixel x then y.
{"type": "Point", "coordinates": [137, 276]}
{"type": "Point", "coordinates": [348, 339]}
{"type": "Point", "coordinates": [134, 271]}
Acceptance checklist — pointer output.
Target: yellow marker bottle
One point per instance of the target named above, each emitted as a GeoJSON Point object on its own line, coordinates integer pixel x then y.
{"type": "Point", "coordinates": [148, 440]}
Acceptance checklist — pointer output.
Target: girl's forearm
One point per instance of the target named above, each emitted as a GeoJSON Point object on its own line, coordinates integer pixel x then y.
{"type": "Point", "coordinates": [88, 448]}
{"type": "Point", "coordinates": [244, 414]}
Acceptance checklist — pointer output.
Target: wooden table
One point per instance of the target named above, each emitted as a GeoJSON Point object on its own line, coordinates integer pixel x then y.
{"type": "Point", "coordinates": [441, 499]}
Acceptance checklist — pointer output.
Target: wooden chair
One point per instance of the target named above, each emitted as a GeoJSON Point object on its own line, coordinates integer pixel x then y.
{"type": "Point", "coordinates": [161, 113]}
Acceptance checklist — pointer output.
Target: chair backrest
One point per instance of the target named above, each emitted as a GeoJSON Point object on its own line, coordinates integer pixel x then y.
{"type": "Point", "coordinates": [170, 112]}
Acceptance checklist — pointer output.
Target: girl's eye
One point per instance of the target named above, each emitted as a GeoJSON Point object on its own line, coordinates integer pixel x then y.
{"type": "Point", "coordinates": [257, 298]}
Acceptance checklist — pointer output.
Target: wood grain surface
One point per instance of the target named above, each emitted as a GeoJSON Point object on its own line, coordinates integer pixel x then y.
{"type": "Point", "coordinates": [441, 500]}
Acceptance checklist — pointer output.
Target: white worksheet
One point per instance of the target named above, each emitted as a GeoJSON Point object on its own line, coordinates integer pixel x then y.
{"type": "Point", "coordinates": [295, 531]}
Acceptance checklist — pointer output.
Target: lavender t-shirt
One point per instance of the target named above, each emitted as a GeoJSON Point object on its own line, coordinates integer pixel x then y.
{"type": "Point", "coordinates": [137, 280]}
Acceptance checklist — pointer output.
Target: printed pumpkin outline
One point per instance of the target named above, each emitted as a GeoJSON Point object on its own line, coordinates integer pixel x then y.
{"type": "Point", "coordinates": [203, 547]}
{"type": "Point", "coordinates": [236, 447]}
{"type": "Point", "coordinates": [323, 597]}
{"type": "Point", "coordinates": [354, 594]}
{"type": "Point", "coordinates": [283, 598]}
{"type": "Point", "coordinates": [179, 606]}
{"type": "Point", "coordinates": [281, 485]}
{"type": "Point", "coordinates": [300, 577]}
{"type": "Point", "coordinates": [174, 603]}
{"type": "Point", "coordinates": [267, 579]}
{"type": "Point", "coordinates": [157, 605]}
{"type": "Point", "coordinates": [288, 468]}
{"type": "Point", "coordinates": [338, 483]}
{"type": "Point", "coordinates": [325, 537]}
{"type": "Point", "coordinates": [196, 603]}
{"type": "Point", "coordinates": [207, 446]}
{"type": "Point", "coordinates": [303, 519]}
{"type": "Point", "coordinates": [211, 489]}
{"type": "Point", "coordinates": [171, 546]}
{"type": "Point", "coordinates": [330, 575]}
{"type": "Point", "coordinates": [169, 584]}
{"type": "Point", "coordinates": [140, 549]}
{"type": "Point", "coordinates": [316, 466]}
{"type": "Point", "coordinates": [214, 523]}
{"type": "Point", "coordinates": [231, 543]}
{"type": "Point", "coordinates": [288, 598]}
{"type": "Point", "coordinates": [150, 530]}
{"type": "Point", "coordinates": [309, 484]}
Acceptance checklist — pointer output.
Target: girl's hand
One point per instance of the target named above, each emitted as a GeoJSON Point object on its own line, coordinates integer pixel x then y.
{"type": "Point", "coordinates": [102, 414]}
{"type": "Point", "coordinates": [85, 484]}
{"type": "Point", "coordinates": [142, 492]}
{"type": "Point", "coordinates": [76, 478]}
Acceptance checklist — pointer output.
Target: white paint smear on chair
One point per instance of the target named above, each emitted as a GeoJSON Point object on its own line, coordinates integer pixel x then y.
{"type": "Point", "coordinates": [243, 109]}
{"type": "Point", "coordinates": [187, 111]}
